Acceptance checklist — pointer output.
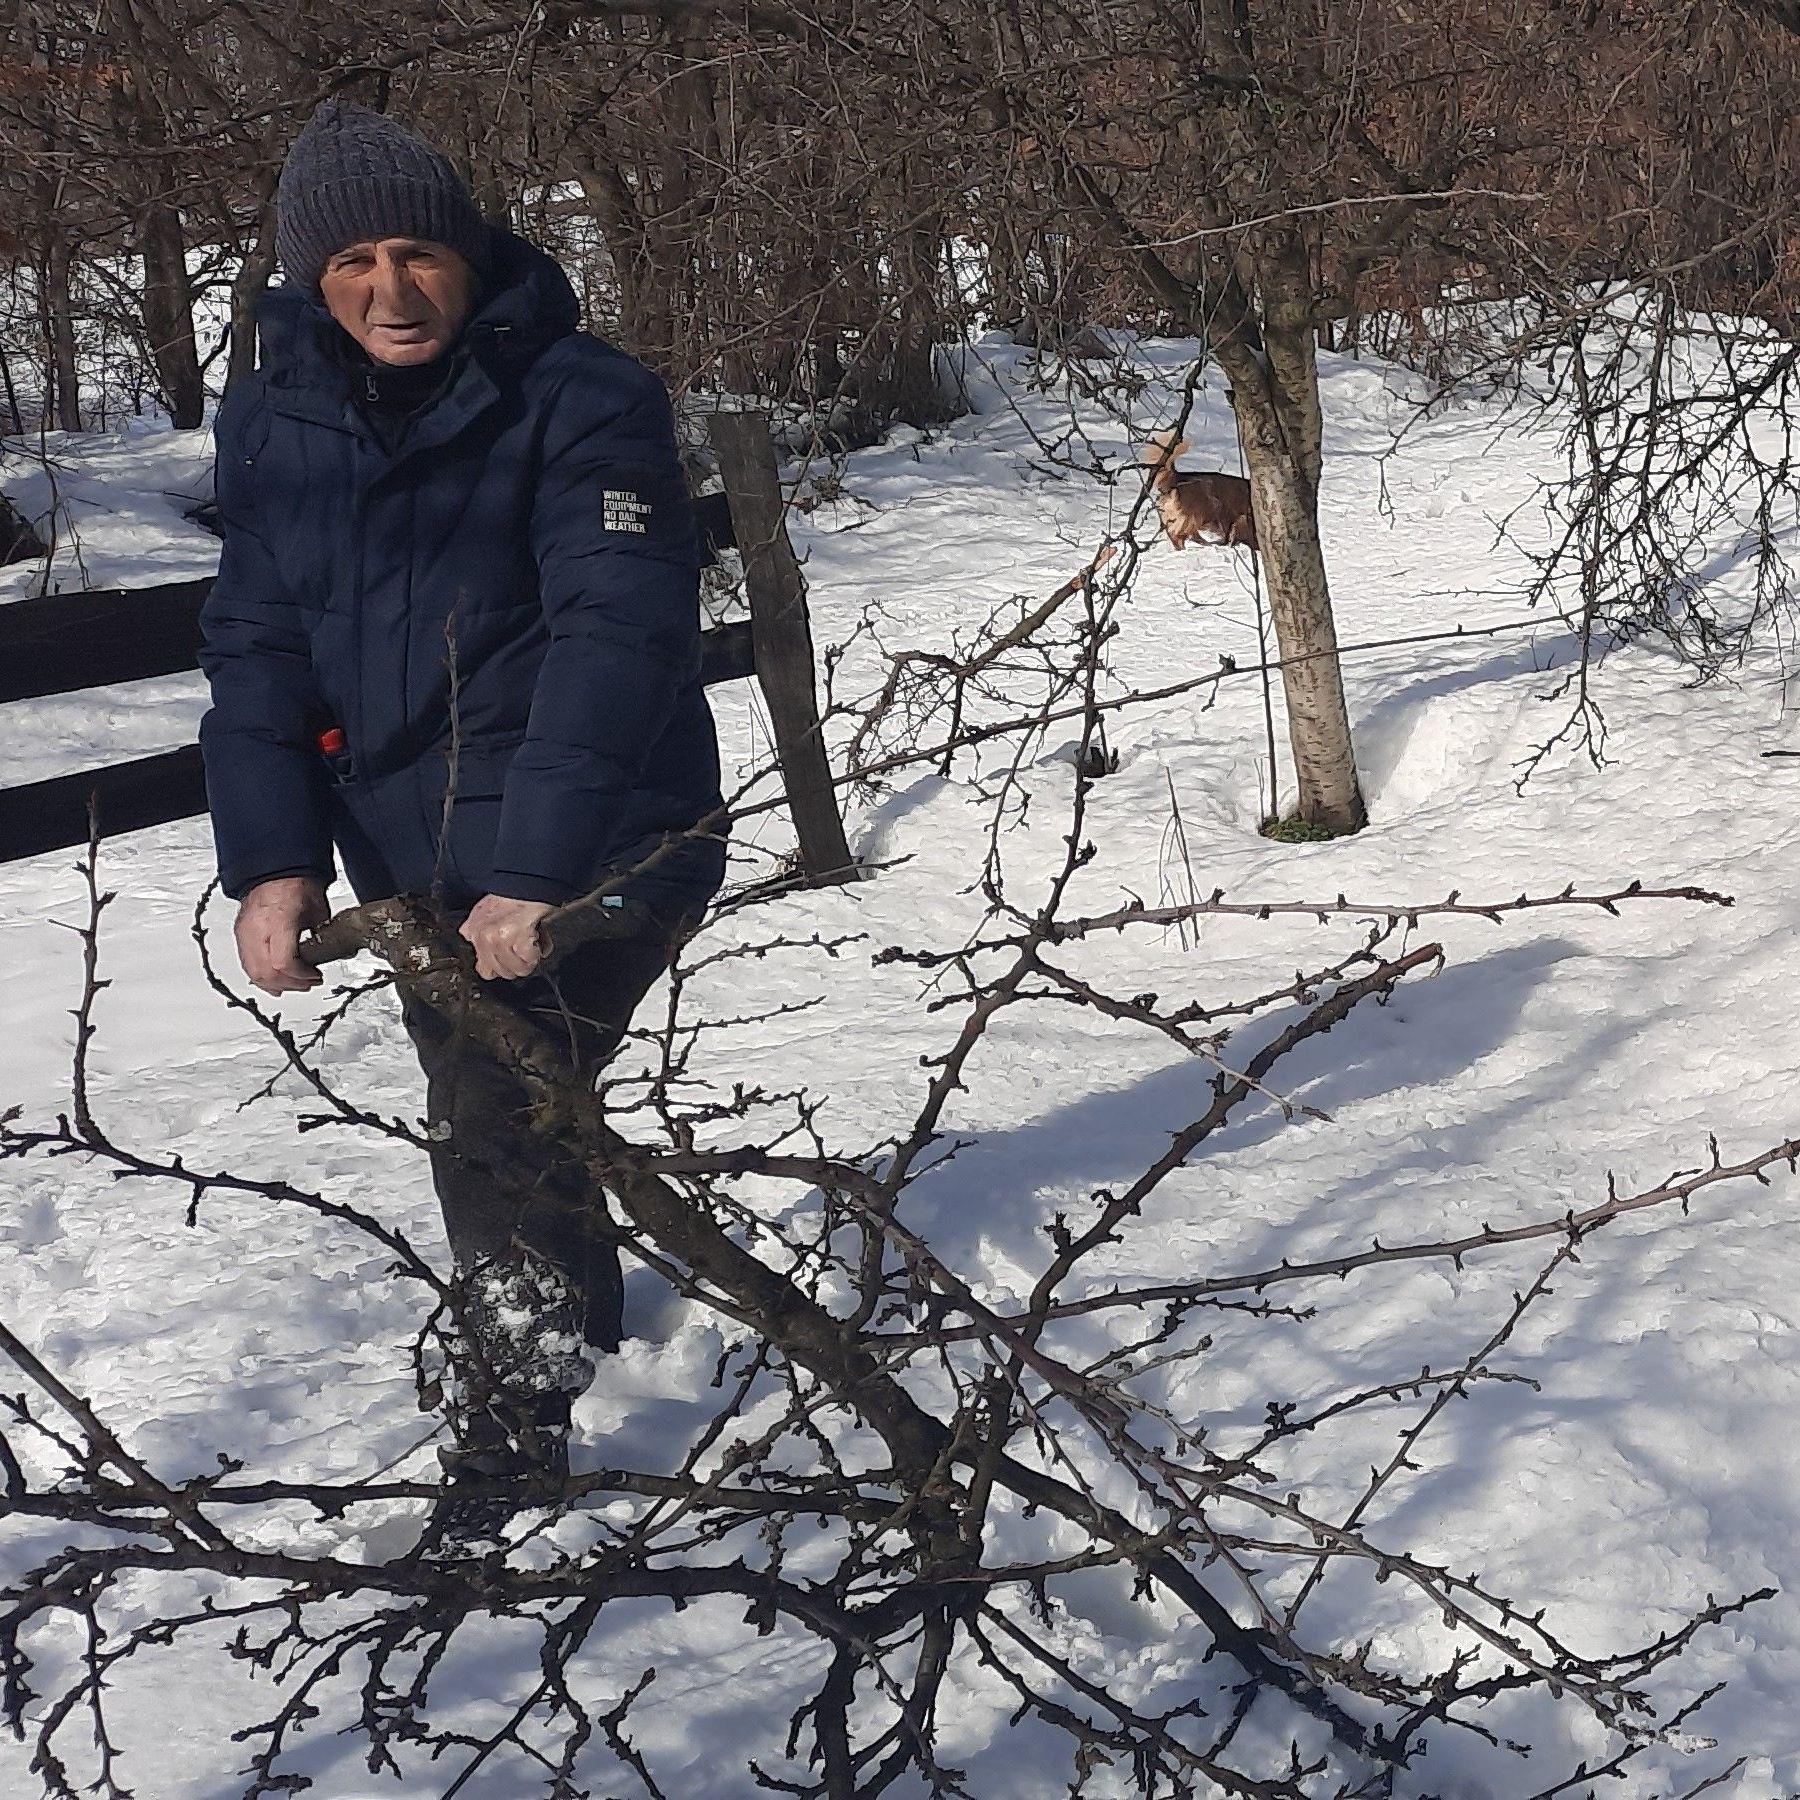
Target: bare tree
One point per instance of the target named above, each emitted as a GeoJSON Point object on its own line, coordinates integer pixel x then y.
{"type": "Point", "coordinates": [798, 203]}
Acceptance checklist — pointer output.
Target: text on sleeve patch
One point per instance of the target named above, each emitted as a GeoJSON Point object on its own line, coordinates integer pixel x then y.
{"type": "Point", "coordinates": [624, 511]}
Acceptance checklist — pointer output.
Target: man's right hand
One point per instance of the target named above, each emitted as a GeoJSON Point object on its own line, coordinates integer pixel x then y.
{"type": "Point", "coordinates": [270, 920]}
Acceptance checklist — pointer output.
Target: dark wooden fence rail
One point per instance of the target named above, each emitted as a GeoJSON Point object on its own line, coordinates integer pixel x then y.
{"type": "Point", "coordinates": [52, 815]}
{"type": "Point", "coordinates": [66, 643]}
{"type": "Point", "coordinates": [156, 790]}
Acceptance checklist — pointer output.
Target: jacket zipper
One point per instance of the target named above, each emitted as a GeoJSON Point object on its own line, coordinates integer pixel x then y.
{"type": "Point", "coordinates": [358, 511]}
{"type": "Point", "coordinates": [366, 444]}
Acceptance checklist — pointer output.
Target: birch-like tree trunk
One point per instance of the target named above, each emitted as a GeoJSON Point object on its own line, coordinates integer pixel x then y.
{"type": "Point", "coordinates": [1275, 395]}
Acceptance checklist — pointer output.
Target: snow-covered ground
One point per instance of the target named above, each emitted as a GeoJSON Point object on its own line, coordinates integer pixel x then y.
{"type": "Point", "coordinates": [1651, 1462]}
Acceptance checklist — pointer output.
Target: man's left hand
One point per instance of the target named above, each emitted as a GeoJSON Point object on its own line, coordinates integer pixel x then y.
{"type": "Point", "coordinates": [505, 936]}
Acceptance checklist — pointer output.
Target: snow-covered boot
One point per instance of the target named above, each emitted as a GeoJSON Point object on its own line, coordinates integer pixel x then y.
{"type": "Point", "coordinates": [510, 1381]}
{"type": "Point", "coordinates": [499, 1464]}
{"type": "Point", "coordinates": [523, 1332]}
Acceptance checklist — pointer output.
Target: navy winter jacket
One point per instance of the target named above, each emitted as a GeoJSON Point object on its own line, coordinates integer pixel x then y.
{"type": "Point", "coordinates": [505, 610]}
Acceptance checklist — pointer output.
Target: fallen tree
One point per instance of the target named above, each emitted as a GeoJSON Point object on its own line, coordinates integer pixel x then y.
{"type": "Point", "coordinates": [909, 1466]}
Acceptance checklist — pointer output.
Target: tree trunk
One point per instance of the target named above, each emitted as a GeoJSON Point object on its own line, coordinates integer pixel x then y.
{"type": "Point", "coordinates": [702, 288]}
{"type": "Point", "coordinates": [898, 376]}
{"type": "Point", "coordinates": [828, 366]}
{"type": "Point", "coordinates": [1254, 308]}
{"type": "Point", "coordinates": [167, 306]}
{"type": "Point", "coordinates": [614, 210]}
{"type": "Point", "coordinates": [1293, 570]}
{"type": "Point", "coordinates": [248, 287]}
{"type": "Point", "coordinates": [1276, 399]}
{"type": "Point", "coordinates": [11, 393]}
{"type": "Point", "coordinates": [169, 313]}
{"type": "Point", "coordinates": [57, 301]}
{"type": "Point", "coordinates": [916, 397]}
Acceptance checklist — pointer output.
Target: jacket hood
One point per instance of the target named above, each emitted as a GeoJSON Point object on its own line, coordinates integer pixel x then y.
{"type": "Point", "coordinates": [525, 303]}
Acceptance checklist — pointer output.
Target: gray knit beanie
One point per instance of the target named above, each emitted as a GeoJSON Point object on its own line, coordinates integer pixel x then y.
{"type": "Point", "coordinates": [353, 174]}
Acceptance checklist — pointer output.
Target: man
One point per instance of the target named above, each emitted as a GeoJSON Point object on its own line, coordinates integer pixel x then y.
{"type": "Point", "coordinates": [455, 635]}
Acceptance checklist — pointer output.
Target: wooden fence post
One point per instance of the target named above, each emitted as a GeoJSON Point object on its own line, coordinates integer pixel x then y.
{"type": "Point", "coordinates": [782, 639]}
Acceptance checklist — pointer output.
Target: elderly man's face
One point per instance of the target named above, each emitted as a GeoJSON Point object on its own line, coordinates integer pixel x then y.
{"type": "Point", "coordinates": [403, 299]}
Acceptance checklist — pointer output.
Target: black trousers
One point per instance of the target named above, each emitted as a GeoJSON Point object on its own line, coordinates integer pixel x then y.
{"type": "Point", "coordinates": [507, 1193]}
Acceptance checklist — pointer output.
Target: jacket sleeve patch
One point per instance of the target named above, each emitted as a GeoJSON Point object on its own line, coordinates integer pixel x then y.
{"type": "Point", "coordinates": [624, 510]}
